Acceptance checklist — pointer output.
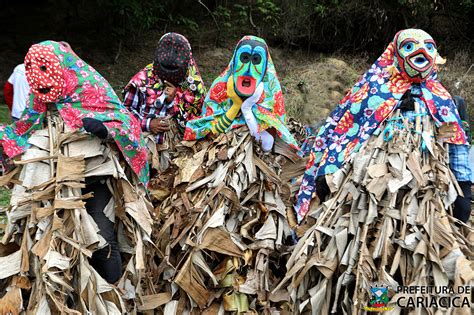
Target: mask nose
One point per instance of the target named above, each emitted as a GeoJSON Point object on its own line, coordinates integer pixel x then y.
{"type": "Point", "coordinates": [173, 53]}
{"type": "Point", "coordinates": [248, 71]}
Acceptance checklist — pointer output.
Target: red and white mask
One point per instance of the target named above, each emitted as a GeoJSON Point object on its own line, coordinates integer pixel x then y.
{"type": "Point", "coordinates": [44, 73]}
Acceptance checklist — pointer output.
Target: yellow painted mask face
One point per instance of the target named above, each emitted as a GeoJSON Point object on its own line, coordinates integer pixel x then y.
{"type": "Point", "coordinates": [416, 54]}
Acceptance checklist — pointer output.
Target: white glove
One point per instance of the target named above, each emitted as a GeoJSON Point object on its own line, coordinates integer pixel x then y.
{"type": "Point", "coordinates": [264, 136]}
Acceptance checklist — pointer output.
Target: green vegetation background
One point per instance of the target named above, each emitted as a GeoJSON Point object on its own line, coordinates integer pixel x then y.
{"type": "Point", "coordinates": [4, 193]}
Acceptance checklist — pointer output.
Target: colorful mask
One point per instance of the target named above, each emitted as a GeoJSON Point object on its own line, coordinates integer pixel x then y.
{"type": "Point", "coordinates": [249, 67]}
{"type": "Point", "coordinates": [44, 73]}
{"type": "Point", "coordinates": [416, 54]}
{"type": "Point", "coordinates": [172, 57]}
{"type": "Point", "coordinates": [268, 109]}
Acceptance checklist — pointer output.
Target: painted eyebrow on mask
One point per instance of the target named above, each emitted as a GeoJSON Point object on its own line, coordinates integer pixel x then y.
{"type": "Point", "coordinates": [430, 41]}
{"type": "Point", "coordinates": [408, 40]}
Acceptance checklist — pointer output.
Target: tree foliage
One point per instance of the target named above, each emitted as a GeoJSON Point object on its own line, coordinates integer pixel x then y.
{"type": "Point", "coordinates": [322, 25]}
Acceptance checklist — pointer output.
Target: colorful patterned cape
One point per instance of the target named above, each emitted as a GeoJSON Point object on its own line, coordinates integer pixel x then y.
{"type": "Point", "coordinates": [79, 91]}
{"type": "Point", "coordinates": [370, 102]}
{"type": "Point", "coordinates": [269, 109]}
{"type": "Point", "coordinates": [189, 94]}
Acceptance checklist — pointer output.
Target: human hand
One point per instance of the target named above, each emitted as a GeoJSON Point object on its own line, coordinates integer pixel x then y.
{"type": "Point", "coordinates": [170, 91]}
{"type": "Point", "coordinates": [158, 125]}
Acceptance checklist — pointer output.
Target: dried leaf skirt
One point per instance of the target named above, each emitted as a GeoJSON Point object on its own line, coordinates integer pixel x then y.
{"type": "Point", "coordinates": [223, 230]}
{"type": "Point", "coordinates": [387, 222]}
{"type": "Point", "coordinates": [50, 236]}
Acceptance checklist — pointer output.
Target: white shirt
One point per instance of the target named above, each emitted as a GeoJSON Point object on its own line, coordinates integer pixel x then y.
{"type": "Point", "coordinates": [21, 90]}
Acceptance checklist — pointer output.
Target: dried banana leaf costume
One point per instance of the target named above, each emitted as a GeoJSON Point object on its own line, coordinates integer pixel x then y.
{"type": "Point", "coordinates": [78, 91]}
{"type": "Point", "coordinates": [250, 79]}
{"type": "Point", "coordinates": [76, 205]}
{"type": "Point", "coordinates": [372, 100]}
{"type": "Point", "coordinates": [386, 222]}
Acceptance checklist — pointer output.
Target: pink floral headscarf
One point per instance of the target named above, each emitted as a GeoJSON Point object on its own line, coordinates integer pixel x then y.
{"type": "Point", "coordinates": [57, 75]}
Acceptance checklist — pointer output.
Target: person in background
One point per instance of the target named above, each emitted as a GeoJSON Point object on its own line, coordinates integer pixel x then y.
{"type": "Point", "coordinates": [16, 92]}
{"type": "Point", "coordinates": [460, 161]}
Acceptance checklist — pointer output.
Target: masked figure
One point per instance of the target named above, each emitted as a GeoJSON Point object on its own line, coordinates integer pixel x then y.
{"type": "Point", "coordinates": [169, 87]}
{"type": "Point", "coordinates": [386, 218]}
{"type": "Point", "coordinates": [62, 166]}
{"type": "Point", "coordinates": [407, 68]}
{"type": "Point", "coordinates": [247, 92]}
{"type": "Point", "coordinates": [56, 75]}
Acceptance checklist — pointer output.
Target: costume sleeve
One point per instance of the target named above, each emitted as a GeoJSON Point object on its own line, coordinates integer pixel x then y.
{"type": "Point", "coordinates": [8, 94]}
{"type": "Point", "coordinates": [132, 101]}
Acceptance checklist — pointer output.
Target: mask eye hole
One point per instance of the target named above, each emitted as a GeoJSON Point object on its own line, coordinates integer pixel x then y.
{"type": "Point", "coordinates": [408, 47]}
{"type": "Point", "coordinates": [43, 68]}
{"type": "Point", "coordinates": [256, 59]}
{"type": "Point", "coordinates": [245, 57]}
{"type": "Point", "coordinates": [429, 47]}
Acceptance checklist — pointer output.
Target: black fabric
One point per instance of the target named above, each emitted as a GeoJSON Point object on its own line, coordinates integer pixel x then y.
{"type": "Point", "coordinates": [106, 261]}
{"type": "Point", "coordinates": [462, 108]}
{"type": "Point", "coordinates": [95, 127]}
{"type": "Point", "coordinates": [322, 188]}
{"type": "Point", "coordinates": [462, 205]}
{"type": "Point", "coordinates": [172, 57]}
{"type": "Point", "coordinates": [407, 103]}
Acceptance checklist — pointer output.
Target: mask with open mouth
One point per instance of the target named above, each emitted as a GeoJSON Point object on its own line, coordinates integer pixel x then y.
{"type": "Point", "coordinates": [44, 73]}
{"type": "Point", "coordinates": [172, 57]}
{"type": "Point", "coordinates": [249, 66]}
{"type": "Point", "coordinates": [416, 54]}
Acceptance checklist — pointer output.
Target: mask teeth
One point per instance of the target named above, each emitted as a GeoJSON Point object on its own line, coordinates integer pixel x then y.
{"type": "Point", "coordinates": [440, 60]}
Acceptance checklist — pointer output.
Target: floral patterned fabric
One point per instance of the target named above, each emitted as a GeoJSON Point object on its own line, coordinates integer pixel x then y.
{"type": "Point", "coordinates": [147, 88]}
{"type": "Point", "coordinates": [369, 103]}
{"type": "Point", "coordinates": [269, 110]}
{"type": "Point", "coordinates": [57, 75]}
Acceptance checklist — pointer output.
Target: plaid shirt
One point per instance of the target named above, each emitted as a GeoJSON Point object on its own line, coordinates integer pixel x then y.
{"type": "Point", "coordinates": [458, 153]}
{"type": "Point", "coordinates": [459, 162]}
{"type": "Point", "coordinates": [135, 102]}
{"type": "Point", "coordinates": [144, 97]}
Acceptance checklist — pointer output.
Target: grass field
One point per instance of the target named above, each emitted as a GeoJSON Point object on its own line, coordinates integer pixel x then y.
{"type": "Point", "coordinates": [4, 114]}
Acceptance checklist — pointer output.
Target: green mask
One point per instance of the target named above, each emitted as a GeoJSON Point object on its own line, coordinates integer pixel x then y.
{"type": "Point", "coordinates": [416, 54]}
{"type": "Point", "coordinates": [249, 66]}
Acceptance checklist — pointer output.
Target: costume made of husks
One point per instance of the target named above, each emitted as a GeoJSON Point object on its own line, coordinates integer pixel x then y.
{"type": "Point", "coordinates": [78, 202]}
{"type": "Point", "coordinates": [386, 220]}
{"type": "Point", "coordinates": [367, 105]}
{"type": "Point", "coordinates": [144, 95]}
{"type": "Point", "coordinates": [246, 93]}
{"type": "Point", "coordinates": [223, 229]}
